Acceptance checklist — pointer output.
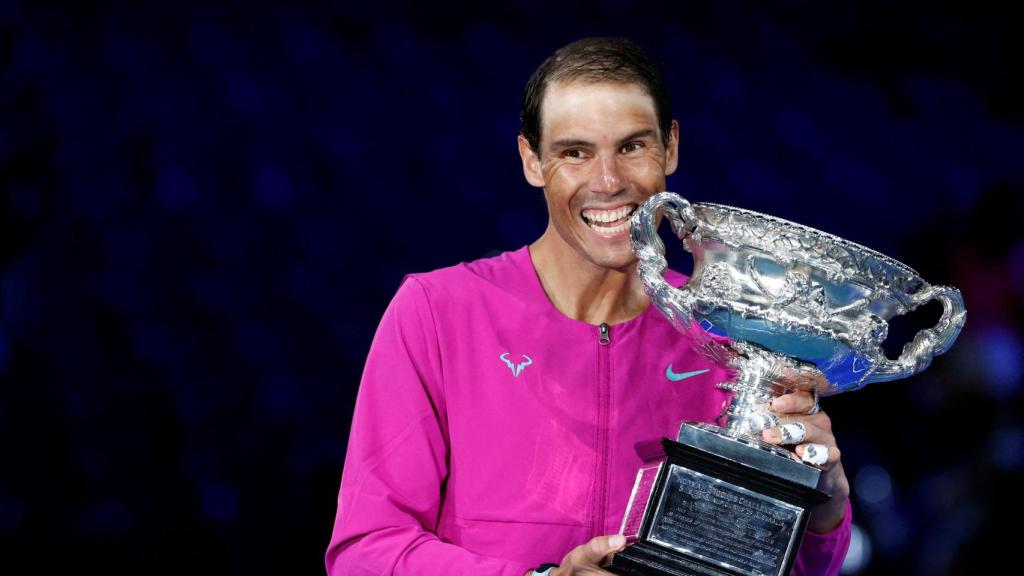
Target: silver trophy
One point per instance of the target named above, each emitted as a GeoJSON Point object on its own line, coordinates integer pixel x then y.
{"type": "Point", "coordinates": [767, 298]}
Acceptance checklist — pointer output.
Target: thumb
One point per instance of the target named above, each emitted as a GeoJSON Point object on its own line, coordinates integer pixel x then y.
{"type": "Point", "coordinates": [600, 547]}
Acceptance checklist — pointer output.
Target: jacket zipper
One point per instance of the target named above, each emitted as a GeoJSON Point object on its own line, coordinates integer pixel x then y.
{"type": "Point", "coordinates": [604, 398]}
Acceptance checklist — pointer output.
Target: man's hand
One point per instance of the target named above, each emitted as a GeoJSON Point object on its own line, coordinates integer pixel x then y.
{"type": "Point", "coordinates": [812, 436]}
{"type": "Point", "coordinates": [588, 558]}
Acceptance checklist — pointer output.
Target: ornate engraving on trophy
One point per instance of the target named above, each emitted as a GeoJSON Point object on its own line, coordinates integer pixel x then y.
{"type": "Point", "coordinates": [718, 282]}
{"type": "Point", "coordinates": [795, 291]}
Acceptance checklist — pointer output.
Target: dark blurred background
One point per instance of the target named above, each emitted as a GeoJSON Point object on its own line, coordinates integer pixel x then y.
{"type": "Point", "coordinates": [206, 208]}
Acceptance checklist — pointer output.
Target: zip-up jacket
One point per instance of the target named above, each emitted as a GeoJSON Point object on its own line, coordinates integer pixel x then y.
{"type": "Point", "coordinates": [492, 433]}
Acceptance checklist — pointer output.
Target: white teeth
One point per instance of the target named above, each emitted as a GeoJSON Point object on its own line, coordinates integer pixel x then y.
{"type": "Point", "coordinates": [597, 220]}
{"type": "Point", "coordinates": [609, 230]}
{"type": "Point", "coordinates": [608, 215]}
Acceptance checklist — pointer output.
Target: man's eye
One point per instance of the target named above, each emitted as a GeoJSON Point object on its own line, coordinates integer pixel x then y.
{"type": "Point", "coordinates": [632, 147]}
{"type": "Point", "coordinates": [575, 154]}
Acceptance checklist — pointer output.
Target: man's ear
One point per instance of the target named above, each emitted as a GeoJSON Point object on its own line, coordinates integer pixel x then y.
{"type": "Point", "coordinates": [531, 163]}
{"type": "Point", "coordinates": [672, 150]}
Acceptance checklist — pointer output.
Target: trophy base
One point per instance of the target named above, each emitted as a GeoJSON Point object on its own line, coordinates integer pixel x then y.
{"type": "Point", "coordinates": [642, 559]}
{"type": "Point", "coordinates": [711, 504]}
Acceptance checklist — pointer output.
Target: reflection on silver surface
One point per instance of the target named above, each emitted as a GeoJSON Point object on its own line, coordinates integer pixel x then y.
{"type": "Point", "coordinates": [639, 500]}
{"type": "Point", "coordinates": [791, 300]}
{"type": "Point", "coordinates": [724, 524]}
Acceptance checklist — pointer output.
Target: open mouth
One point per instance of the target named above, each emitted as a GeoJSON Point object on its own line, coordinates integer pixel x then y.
{"type": "Point", "coordinates": [609, 222]}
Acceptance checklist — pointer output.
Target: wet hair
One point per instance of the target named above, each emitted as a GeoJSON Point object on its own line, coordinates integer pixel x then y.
{"type": "Point", "coordinates": [594, 60]}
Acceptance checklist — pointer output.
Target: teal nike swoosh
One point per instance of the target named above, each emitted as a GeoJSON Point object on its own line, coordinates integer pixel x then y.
{"type": "Point", "coordinates": [684, 375]}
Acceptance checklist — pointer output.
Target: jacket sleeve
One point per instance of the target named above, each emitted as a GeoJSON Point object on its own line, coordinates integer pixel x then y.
{"type": "Point", "coordinates": [823, 554]}
{"type": "Point", "coordinates": [396, 466]}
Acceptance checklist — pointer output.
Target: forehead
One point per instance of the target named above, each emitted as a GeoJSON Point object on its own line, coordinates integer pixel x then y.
{"type": "Point", "coordinates": [588, 110]}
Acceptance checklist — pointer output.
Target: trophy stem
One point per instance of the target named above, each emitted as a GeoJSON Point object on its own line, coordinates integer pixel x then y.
{"type": "Point", "coordinates": [745, 415]}
{"type": "Point", "coordinates": [757, 373]}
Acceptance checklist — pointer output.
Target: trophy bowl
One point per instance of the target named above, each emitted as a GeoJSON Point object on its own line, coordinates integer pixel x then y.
{"type": "Point", "coordinates": [767, 298]}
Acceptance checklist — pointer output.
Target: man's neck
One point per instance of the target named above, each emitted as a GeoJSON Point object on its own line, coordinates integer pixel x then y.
{"type": "Point", "coordinates": [585, 291]}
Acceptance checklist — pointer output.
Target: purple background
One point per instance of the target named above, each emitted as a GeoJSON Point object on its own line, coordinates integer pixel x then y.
{"type": "Point", "coordinates": [206, 209]}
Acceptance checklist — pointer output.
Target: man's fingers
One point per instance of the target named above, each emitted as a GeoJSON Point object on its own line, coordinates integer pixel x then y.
{"type": "Point", "coordinates": [818, 454]}
{"type": "Point", "coordinates": [792, 433]}
{"type": "Point", "coordinates": [798, 429]}
{"type": "Point", "coordinates": [799, 402]}
{"type": "Point", "coordinates": [588, 558]}
{"type": "Point", "coordinates": [804, 378]}
{"type": "Point", "coordinates": [600, 547]}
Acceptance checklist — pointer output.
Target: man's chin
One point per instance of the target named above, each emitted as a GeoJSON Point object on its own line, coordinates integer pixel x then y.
{"type": "Point", "coordinates": [621, 261]}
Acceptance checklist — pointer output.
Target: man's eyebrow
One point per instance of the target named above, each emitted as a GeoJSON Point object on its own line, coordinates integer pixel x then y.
{"type": "Point", "coordinates": [570, 143]}
{"type": "Point", "coordinates": [639, 134]}
{"type": "Point", "coordinates": [576, 142]}
{"type": "Point", "coordinates": [573, 143]}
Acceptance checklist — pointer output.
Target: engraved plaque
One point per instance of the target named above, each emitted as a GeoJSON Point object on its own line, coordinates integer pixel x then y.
{"type": "Point", "coordinates": [716, 508]}
{"type": "Point", "coordinates": [724, 524]}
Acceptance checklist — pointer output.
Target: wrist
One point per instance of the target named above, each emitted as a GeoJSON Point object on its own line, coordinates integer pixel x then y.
{"type": "Point", "coordinates": [827, 517]}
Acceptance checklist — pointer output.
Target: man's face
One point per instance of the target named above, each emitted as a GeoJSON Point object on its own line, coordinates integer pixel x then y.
{"type": "Point", "coordinates": [601, 155]}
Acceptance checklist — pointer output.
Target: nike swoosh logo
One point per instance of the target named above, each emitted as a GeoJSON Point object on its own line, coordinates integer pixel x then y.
{"type": "Point", "coordinates": [676, 377]}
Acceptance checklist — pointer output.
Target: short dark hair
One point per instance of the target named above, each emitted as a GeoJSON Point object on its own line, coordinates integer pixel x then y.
{"type": "Point", "coordinates": [594, 60]}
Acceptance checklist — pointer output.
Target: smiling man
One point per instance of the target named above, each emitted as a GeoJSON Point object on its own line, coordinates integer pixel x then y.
{"type": "Point", "coordinates": [599, 153]}
{"type": "Point", "coordinates": [501, 399]}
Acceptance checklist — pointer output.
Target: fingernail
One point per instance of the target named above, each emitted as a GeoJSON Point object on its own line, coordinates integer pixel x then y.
{"type": "Point", "coordinates": [771, 435]}
{"type": "Point", "coordinates": [617, 541]}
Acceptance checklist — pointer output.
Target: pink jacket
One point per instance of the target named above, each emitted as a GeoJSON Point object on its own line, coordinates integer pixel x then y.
{"type": "Point", "coordinates": [492, 433]}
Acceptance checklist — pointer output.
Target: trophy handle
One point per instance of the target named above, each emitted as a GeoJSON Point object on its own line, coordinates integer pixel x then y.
{"type": "Point", "coordinates": [930, 342]}
{"type": "Point", "coordinates": [675, 303]}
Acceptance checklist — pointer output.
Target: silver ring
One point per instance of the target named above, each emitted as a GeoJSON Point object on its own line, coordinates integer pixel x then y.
{"type": "Point", "coordinates": [816, 408]}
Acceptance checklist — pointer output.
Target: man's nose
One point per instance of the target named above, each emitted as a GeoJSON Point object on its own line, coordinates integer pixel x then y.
{"type": "Point", "coordinates": [608, 177]}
